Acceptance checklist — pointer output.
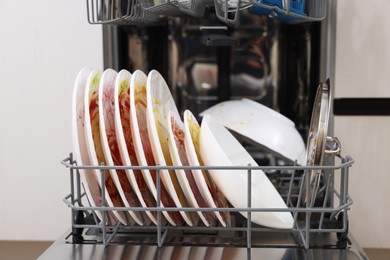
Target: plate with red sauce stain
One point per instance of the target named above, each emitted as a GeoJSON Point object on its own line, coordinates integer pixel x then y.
{"type": "Point", "coordinates": [160, 101]}
{"type": "Point", "coordinates": [143, 150]}
{"type": "Point", "coordinates": [186, 179]}
{"type": "Point", "coordinates": [126, 144]}
{"type": "Point", "coordinates": [212, 196]}
{"type": "Point", "coordinates": [88, 178]}
{"type": "Point", "coordinates": [95, 148]}
{"type": "Point", "coordinates": [110, 145]}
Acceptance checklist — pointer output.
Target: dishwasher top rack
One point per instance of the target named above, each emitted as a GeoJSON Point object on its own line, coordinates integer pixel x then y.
{"type": "Point", "coordinates": [327, 215]}
{"type": "Point", "coordinates": [228, 11]}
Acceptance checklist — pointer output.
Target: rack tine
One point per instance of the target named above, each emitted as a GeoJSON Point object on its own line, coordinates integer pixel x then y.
{"type": "Point", "coordinates": [158, 184]}
{"type": "Point", "coordinates": [249, 213]}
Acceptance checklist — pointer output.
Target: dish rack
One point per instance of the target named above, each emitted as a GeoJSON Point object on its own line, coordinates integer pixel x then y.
{"type": "Point", "coordinates": [327, 215]}
{"type": "Point", "coordinates": [151, 11]}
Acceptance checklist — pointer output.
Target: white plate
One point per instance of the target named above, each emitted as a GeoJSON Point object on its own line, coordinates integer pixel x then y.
{"type": "Point", "coordinates": [263, 126]}
{"type": "Point", "coordinates": [160, 101]}
{"type": "Point", "coordinates": [94, 145]}
{"type": "Point", "coordinates": [80, 152]}
{"type": "Point", "coordinates": [210, 193]}
{"type": "Point", "coordinates": [125, 142]}
{"type": "Point", "coordinates": [142, 144]}
{"type": "Point", "coordinates": [179, 158]}
{"type": "Point", "coordinates": [110, 144]}
{"type": "Point", "coordinates": [219, 148]}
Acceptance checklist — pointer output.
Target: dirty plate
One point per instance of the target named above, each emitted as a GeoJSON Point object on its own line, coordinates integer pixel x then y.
{"type": "Point", "coordinates": [142, 146]}
{"type": "Point", "coordinates": [95, 148]}
{"type": "Point", "coordinates": [160, 101]}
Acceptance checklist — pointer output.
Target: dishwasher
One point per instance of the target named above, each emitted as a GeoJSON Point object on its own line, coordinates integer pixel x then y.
{"type": "Point", "coordinates": [278, 53]}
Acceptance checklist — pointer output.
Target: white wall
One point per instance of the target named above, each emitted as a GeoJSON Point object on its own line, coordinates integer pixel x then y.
{"type": "Point", "coordinates": [363, 70]}
{"type": "Point", "coordinates": [362, 51]}
{"type": "Point", "coordinates": [43, 44]}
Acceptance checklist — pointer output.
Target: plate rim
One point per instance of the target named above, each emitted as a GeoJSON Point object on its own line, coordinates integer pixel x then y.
{"type": "Point", "coordinates": [79, 86]}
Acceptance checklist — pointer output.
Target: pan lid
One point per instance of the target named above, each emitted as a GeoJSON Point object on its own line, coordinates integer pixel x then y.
{"type": "Point", "coordinates": [316, 140]}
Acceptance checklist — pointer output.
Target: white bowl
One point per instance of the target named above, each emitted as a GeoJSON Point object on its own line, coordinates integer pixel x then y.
{"type": "Point", "coordinates": [218, 147]}
{"type": "Point", "coordinates": [263, 126]}
{"type": "Point", "coordinates": [271, 112]}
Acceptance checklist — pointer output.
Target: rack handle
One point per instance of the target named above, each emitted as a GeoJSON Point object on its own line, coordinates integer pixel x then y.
{"type": "Point", "coordinates": [335, 145]}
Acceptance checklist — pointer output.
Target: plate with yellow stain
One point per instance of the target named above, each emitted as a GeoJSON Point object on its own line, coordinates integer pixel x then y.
{"type": "Point", "coordinates": [212, 196]}
{"type": "Point", "coordinates": [111, 151]}
{"type": "Point", "coordinates": [159, 103]}
{"type": "Point", "coordinates": [142, 145]}
{"type": "Point", "coordinates": [126, 143]}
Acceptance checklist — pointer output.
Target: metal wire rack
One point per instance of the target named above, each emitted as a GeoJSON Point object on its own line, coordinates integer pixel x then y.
{"type": "Point", "coordinates": [291, 10]}
{"type": "Point", "coordinates": [228, 11]}
{"type": "Point", "coordinates": [119, 12]}
{"type": "Point", "coordinates": [328, 214]}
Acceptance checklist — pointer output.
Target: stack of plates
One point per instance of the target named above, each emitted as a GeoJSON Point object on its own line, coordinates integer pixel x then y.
{"type": "Point", "coordinates": [132, 120]}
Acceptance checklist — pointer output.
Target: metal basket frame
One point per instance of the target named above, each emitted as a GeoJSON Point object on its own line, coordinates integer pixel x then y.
{"type": "Point", "coordinates": [302, 228]}
{"type": "Point", "coordinates": [119, 12]}
{"type": "Point", "coordinates": [228, 11]}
